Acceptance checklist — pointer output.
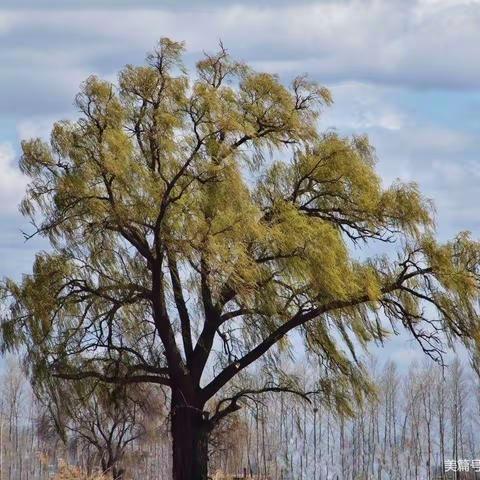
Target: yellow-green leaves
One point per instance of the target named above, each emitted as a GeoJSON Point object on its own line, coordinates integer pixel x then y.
{"type": "Point", "coordinates": [36, 157]}
{"type": "Point", "coordinates": [211, 204]}
{"type": "Point", "coordinates": [334, 179]}
{"type": "Point", "coordinates": [270, 110]}
{"type": "Point", "coordinates": [40, 292]}
{"type": "Point", "coordinates": [404, 207]}
{"type": "Point", "coordinates": [310, 253]}
{"type": "Point", "coordinates": [455, 263]}
{"type": "Point", "coordinates": [98, 102]}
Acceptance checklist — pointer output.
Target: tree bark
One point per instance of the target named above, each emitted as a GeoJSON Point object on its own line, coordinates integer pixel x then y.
{"type": "Point", "coordinates": [111, 468]}
{"type": "Point", "coordinates": [190, 431]}
{"type": "Point", "coordinates": [118, 473]}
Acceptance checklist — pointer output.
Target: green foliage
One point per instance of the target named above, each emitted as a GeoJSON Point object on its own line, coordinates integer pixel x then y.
{"type": "Point", "coordinates": [196, 220]}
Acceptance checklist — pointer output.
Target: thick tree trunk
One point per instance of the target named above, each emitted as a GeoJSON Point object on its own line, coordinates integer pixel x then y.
{"type": "Point", "coordinates": [190, 441]}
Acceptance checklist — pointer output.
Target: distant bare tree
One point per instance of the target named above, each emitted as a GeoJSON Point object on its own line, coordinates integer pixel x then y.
{"type": "Point", "coordinates": [104, 418]}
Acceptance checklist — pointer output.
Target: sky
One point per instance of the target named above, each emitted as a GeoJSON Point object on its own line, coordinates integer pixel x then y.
{"type": "Point", "coordinates": [405, 72]}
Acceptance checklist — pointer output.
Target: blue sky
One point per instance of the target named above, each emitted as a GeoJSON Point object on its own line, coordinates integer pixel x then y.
{"type": "Point", "coordinates": [406, 72]}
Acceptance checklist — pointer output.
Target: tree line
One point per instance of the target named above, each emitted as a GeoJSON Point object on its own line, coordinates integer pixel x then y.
{"type": "Point", "coordinates": [423, 418]}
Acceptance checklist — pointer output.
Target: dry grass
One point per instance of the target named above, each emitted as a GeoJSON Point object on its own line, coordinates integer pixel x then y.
{"type": "Point", "coordinates": [219, 475]}
{"type": "Point", "coordinates": [68, 472]}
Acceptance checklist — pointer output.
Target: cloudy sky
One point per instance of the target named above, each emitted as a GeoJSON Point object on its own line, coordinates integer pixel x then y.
{"type": "Point", "coordinates": [406, 72]}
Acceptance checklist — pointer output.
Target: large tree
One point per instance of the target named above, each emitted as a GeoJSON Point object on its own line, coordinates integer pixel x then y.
{"type": "Point", "coordinates": [197, 221]}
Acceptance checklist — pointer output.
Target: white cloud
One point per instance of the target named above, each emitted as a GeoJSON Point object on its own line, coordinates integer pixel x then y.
{"type": "Point", "coordinates": [4, 23]}
{"type": "Point", "coordinates": [444, 162]}
{"type": "Point", "coordinates": [422, 43]}
{"type": "Point", "coordinates": [12, 182]}
{"type": "Point", "coordinates": [36, 127]}
{"type": "Point", "coordinates": [361, 106]}
{"type": "Point", "coordinates": [442, 158]}
{"type": "Point", "coordinates": [47, 52]}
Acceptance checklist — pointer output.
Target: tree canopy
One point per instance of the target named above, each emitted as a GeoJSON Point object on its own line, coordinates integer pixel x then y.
{"type": "Point", "coordinates": [195, 220]}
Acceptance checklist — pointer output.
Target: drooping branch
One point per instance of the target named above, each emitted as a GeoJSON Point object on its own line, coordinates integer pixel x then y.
{"type": "Point", "coordinates": [297, 320]}
{"type": "Point", "coordinates": [114, 379]}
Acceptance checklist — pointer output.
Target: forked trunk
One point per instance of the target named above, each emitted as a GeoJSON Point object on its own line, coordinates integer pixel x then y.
{"type": "Point", "coordinates": [190, 441]}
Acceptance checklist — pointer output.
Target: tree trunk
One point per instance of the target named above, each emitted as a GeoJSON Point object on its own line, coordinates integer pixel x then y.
{"type": "Point", "coordinates": [190, 441]}
{"type": "Point", "coordinates": [118, 473]}
{"type": "Point", "coordinates": [110, 468]}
